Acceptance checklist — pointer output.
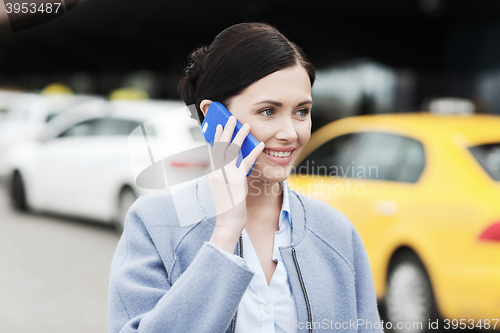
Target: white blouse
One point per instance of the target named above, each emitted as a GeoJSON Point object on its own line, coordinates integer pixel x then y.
{"type": "Point", "coordinates": [267, 308]}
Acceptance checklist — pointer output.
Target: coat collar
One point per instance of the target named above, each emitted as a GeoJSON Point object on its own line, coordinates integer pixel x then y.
{"type": "Point", "coordinates": [199, 191]}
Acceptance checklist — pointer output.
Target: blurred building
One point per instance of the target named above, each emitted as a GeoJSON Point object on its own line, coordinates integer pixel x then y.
{"type": "Point", "coordinates": [423, 48]}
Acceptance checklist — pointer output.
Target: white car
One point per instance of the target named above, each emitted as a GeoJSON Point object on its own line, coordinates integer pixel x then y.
{"type": "Point", "coordinates": [91, 158]}
{"type": "Point", "coordinates": [26, 116]}
{"type": "Point", "coordinates": [6, 98]}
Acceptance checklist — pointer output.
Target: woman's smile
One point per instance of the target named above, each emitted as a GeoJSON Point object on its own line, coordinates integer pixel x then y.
{"type": "Point", "coordinates": [279, 155]}
{"type": "Point", "coordinates": [277, 108]}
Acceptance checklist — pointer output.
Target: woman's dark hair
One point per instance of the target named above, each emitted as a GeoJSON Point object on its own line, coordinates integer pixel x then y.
{"type": "Point", "coordinates": [238, 56]}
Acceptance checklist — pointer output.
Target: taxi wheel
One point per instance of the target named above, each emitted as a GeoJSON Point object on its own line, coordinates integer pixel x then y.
{"type": "Point", "coordinates": [409, 298]}
{"type": "Point", "coordinates": [126, 198]}
{"type": "Point", "coordinates": [18, 192]}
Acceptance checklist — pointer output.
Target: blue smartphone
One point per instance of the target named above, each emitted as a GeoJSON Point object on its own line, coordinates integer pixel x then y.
{"type": "Point", "coordinates": [218, 114]}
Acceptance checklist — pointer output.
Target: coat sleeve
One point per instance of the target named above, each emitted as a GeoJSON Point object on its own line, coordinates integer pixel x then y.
{"type": "Point", "coordinates": [142, 299]}
{"type": "Point", "coordinates": [366, 301]}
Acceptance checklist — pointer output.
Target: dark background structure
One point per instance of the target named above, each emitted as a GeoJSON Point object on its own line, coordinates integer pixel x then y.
{"type": "Point", "coordinates": [445, 45]}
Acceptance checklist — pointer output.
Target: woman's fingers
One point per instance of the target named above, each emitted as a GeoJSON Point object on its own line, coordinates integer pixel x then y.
{"type": "Point", "coordinates": [229, 129]}
{"type": "Point", "coordinates": [218, 133]}
{"type": "Point", "coordinates": [252, 157]}
{"type": "Point", "coordinates": [241, 135]}
{"type": "Point", "coordinates": [226, 152]}
{"type": "Point", "coordinates": [234, 147]}
{"type": "Point", "coordinates": [231, 149]}
{"type": "Point", "coordinates": [218, 149]}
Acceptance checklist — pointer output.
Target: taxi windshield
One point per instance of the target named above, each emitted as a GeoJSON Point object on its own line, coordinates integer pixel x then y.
{"type": "Point", "coordinates": [488, 156]}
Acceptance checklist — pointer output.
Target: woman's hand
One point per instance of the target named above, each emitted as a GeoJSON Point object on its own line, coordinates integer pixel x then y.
{"type": "Point", "coordinates": [228, 184]}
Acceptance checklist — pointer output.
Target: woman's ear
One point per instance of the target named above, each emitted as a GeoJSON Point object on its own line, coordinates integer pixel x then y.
{"type": "Point", "coordinates": [204, 106]}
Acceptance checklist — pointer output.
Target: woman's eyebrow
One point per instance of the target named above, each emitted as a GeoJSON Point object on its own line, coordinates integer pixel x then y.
{"type": "Point", "coordinates": [279, 104]}
{"type": "Point", "coordinates": [305, 102]}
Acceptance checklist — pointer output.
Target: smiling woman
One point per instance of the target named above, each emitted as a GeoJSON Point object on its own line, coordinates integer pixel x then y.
{"type": "Point", "coordinates": [277, 110]}
{"type": "Point", "coordinates": [275, 260]}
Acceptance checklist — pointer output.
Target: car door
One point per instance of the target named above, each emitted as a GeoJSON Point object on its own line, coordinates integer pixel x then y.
{"type": "Point", "coordinates": [107, 165]}
{"type": "Point", "coordinates": [82, 169]}
{"type": "Point", "coordinates": [369, 177]}
{"type": "Point", "coordinates": [387, 167]}
{"type": "Point", "coordinates": [62, 166]}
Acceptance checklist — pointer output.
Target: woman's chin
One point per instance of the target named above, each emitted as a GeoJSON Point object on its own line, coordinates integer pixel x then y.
{"type": "Point", "coordinates": [271, 174]}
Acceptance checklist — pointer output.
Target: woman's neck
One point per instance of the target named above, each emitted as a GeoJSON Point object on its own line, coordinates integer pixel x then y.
{"type": "Point", "coordinates": [263, 197]}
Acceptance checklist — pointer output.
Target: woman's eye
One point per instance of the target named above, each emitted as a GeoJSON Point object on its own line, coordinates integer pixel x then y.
{"type": "Point", "coordinates": [303, 112]}
{"type": "Point", "coordinates": [267, 112]}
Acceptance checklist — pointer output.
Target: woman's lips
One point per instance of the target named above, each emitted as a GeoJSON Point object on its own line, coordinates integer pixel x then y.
{"type": "Point", "coordinates": [279, 160]}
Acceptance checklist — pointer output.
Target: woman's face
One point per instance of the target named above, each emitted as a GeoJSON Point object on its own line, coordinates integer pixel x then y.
{"type": "Point", "coordinates": [278, 110]}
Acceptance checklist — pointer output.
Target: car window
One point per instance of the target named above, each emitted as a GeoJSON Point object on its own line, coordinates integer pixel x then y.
{"type": "Point", "coordinates": [388, 157]}
{"type": "Point", "coordinates": [196, 134]}
{"type": "Point", "coordinates": [52, 115]}
{"type": "Point", "coordinates": [83, 128]}
{"type": "Point", "coordinates": [489, 157]}
{"type": "Point", "coordinates": [329, 159]}
{"type": "Point", "coordinates": [150, 130]}
{"type": "Point", "coordinates": [105, 127]}
{"type": "Point", "coordinates": [116, 127]}
{"type": "Point", "coordinates": [18, 113]}
{"type": "Point", "coordinates": [370, 155]}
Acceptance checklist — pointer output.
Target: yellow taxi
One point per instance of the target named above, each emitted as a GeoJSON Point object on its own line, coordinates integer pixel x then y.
{"type": "Point", "coordinates": [423, 190]}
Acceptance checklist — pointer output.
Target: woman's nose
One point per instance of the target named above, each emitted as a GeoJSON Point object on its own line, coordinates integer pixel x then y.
{"type": "Point", "coordinates": [286, 130]}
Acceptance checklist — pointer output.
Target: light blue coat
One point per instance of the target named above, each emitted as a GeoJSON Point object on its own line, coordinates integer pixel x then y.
{"type": "Point", "coordinates": [168, 278]}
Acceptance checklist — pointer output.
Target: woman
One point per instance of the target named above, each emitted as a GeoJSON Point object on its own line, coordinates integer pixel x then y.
{"type": "Point", "coordinates": [255, 256]}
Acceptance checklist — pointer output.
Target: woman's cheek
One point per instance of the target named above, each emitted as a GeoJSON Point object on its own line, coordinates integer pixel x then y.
{"type": "Point", "coordinates": [305, 134]}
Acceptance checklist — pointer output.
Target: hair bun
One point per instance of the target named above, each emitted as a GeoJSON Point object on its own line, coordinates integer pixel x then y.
{"type": "Point", "coordinates": [196, 64]}
{"type": "Point", "coordinates": [237, 57]}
